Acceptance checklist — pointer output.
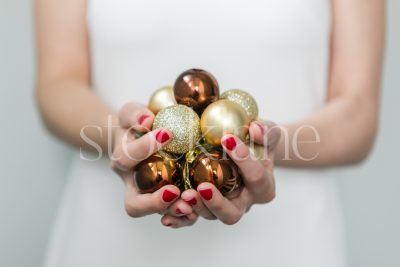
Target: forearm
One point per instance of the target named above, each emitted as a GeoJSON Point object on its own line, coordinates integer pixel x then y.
{"type": "Point", "coordinates": [341, 133]}
{"type": "Point", "coordinates": [69, 108]}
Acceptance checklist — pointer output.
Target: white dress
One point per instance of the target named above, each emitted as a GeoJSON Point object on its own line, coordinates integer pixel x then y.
{"type": "Point", "coordinates": [278, 50]}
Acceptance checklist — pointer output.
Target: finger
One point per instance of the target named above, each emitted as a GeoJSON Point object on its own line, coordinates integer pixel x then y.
{"type": "Point", "coordinates": [254, 174]}
{"type": "Point", "coordinates": [218, 205]}
{"type": "Point", "coordinates": [192, 197]}
{"type": "Point", "coordinates": [138, 205]}
{"type": "Point", "coordinates": [136, 116]}
{"type": "Point", "coordinates": [128, 154]}
{"type": "Point", "coordinates": [179, 208]}
{"type": "Point", "coordinates": [265, 133]}
{"type": "Point", "coordinates": [178, 222]}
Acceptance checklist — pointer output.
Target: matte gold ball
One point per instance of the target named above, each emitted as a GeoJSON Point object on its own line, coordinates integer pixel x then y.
{"type": "Point", "coordinates": [244, 99]}
{"type": "Point", "coordinates": [162, 98]}
{"type": "Point", "coordinates": [224, 117]}
{"type": "Point", "coordinates": [183, 123]}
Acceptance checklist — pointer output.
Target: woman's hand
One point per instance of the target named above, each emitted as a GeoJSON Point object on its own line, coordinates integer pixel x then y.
{"type": "Point", "coordinates": [258, 177]}
{"type": "Point", "coordinates": [129, 151]}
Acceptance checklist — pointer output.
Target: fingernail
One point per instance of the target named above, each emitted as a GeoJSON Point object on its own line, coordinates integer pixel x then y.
{"type": "Point", "coordinates": [229, 143]}
{"type": "Point", "coordinates": [261, 128]}
{"type": "Point", "coordinates": [206, 193]}
{"type": "Point", "coordinates": [169, 224]}
{"type": "Point", "coordinates": [192, 201]}
{"type": "Point", "coordinates": [142, 118]}
{"type": "Point", "coordinates": [178, 211]}
{"type": "Point", "coordinates": [162, 136]}
{"type": "Point", "coordinates": [168, 196]}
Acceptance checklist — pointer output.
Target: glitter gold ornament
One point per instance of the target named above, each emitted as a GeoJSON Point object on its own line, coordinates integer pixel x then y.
{"type": "Point", "coordinates": [183, 123]}
{"type": "Point", "coordinates": [196, 88]}
{"type": "Point", "coordinates": [162, 98]}
{"type": "Point", "coordinates": [156, 172]}
{"type": "Point", "coordinates": [224, 117]}
{"type": "Point", "coordinates": [212, 167]}
{"type": "Point", "coordinates": [244, 99]}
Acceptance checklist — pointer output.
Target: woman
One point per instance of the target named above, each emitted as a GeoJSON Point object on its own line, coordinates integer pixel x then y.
{"type": "Point", "coordinates": [314, 66]}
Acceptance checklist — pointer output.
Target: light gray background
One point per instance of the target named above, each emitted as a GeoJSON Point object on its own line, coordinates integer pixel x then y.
{"type": "Point", "coordinates": [33, 165]}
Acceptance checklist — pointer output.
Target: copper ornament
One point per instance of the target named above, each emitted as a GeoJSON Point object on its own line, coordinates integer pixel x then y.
{"type": "Point", "coordinates": [156, 172]}
{"type": "Point", "coordinates": [214, 168]}
{"type": "Point", "coordinates": [196, 88]}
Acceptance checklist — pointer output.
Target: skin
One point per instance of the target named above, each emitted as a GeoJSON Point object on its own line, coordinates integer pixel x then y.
{"type": "Point", "coordinates": [347, 124]}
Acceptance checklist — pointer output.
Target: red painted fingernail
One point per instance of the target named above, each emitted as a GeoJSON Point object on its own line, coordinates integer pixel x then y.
{"type": "Point", "coordinates": [206, 193]}
{"type": "Point", "coordinates": [169, 224]}
{"type": "Point", "coordinates": [178, 211]}
{"type": "Point", "coordinates": [168, 196]}
{"type": "Point", "coordinates": [229, 143]}
{"type": "Point", "coordinates": [192, 201]}
{"type": "Point", "coordinates": [142, 118]}
{"type": "Point", "coordinates": [162, 136]}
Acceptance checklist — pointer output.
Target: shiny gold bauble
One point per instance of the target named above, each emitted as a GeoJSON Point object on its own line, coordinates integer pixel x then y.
{"type": "Point", "coordinates": [183, 123]}
{"type": "Point", "coordinates": [156, 172]}
{"type": "Point", "coordinates": [224, 117]}
{"type": "Point", "coordinates": [196, 88]}
{"type": "Point", "coordinates": [162, 98]}
{"type": "Point", "coordinates": [244, 99]}
{"type": "Point", "coordinates": [212, 167]}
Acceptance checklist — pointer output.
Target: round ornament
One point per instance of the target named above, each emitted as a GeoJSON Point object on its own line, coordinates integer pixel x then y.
{"type": "Point", "coordinates": [244, 99]}
{"type": "Point", "coordinates": [161, 98]}
{"type": "Point", "coordinates": [196, 88]}
{"type": "Point", "coordinates": [183, 123]}
{"type": "Point", "coordinates": [224, 117]}
{"type": "Point", "coordinates": [212, 167]}
{"type": "Point", "coordinates": [156, 172]}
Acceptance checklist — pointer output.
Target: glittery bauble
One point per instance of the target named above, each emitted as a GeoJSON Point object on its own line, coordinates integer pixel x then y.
{"type": "Point", "coordinates": [162, 98]}
{"type": "Point", "coordinates": [183, 123]}
{"type": "Point", "coordinates": [224, 117]}
{"type": "Point", "coordinates": [244, 99]}
{"type": "Point", "coordinates": [155, 172]}
{"type": "Point", "coordinates": [196, 88]}
{"type": "Point", "coordinates": [213, 168]}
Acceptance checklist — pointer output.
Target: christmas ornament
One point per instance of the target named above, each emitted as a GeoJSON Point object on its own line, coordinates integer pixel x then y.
{"type": "Point", "coordinates": [244, 99]}
{"type": "Point", "coordinates": [224, 117]}
{"type": "Point", "coordinates": [196, 88]}
{"type": "Point", "coordinates": [156, 172]}
{"type": "Point", "coordinates": [162, 98]}
{"type": "Point", "coordinates": [183, 123]}
{"type": "Point", "coordinates": [213, 167]}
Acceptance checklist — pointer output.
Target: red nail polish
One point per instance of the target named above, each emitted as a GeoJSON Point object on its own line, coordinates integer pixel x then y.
{"type": "Point", "coordinates": [192, 201]}
{"type": "Point", "coordinates": [142, 118]}
{"type": "Point", "coordinates": [229, 143]}
{"type": "Point", "coordinates": [206, 194]}
{"type": "Point", "coordinates": [178, 211]}
{"type": "Point", "coordinates": [169, 224]}
{"type": "Point", "coordinates": [162, 136]}
{"type": "Point", "coordinates": [168, 196]}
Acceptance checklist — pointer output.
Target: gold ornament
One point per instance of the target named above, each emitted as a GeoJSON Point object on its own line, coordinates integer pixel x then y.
{"type": "Point", "coordinates": [183, 123]}
{"type": "Point", "coordinates": [224, 117]}
{"type": "Point", "coordinates": [162, 98]}
{"type": "Point", "coordinates": [244, 99]}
